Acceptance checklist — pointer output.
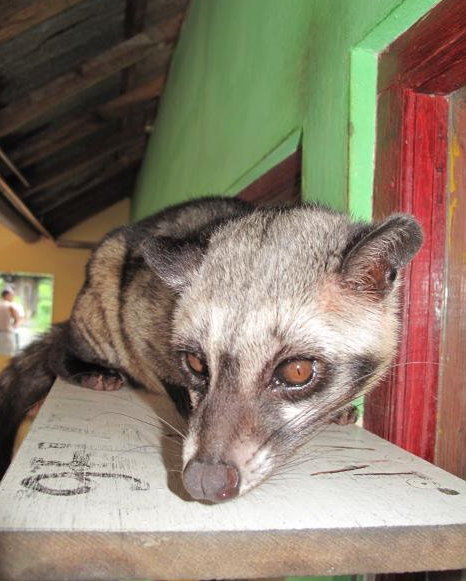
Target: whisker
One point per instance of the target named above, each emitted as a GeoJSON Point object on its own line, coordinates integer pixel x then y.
{"type": "Point", "coordinates": [142, 421]}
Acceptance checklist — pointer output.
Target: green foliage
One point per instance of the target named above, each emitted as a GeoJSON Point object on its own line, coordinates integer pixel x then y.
{"type": "Point", "coordinates": [42, 319]}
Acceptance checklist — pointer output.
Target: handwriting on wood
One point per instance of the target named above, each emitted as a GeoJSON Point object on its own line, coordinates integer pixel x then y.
{"type": "Point", "coordinates": [98, 465]}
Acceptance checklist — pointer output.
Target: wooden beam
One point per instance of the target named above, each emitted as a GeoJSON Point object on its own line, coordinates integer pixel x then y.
{"type": "Point", "coordinates": [48, 143]}
{"type": "Point", "coordinates": [135, 15]}
{"type": "Point", "coordinates": [21, 207]}
{"type": "Point", "coordinates": [93, 201]}
{"type": "Point", "coordinates": [15, 222]}
{"type": "Point", "coordinates": [20, 18]}
{"type": "Point", "coordinates": [167, 31]}
{"type": "Point", "coordinates": [52, 141]}
{"type": "Point", "coordinates": [83, 163]}
{"type": "Point", "coordinates": [90, 73]}
{"type": "Point", "coordinates": [125, 163]}
{"type": "Point", "coordinates": [12, 167]}
{"type": "Point", "coordinates": [141, 94]}
{"type": "Point", "coordinates": [76, 244]}
{"type": "Point", "coordinates": [134, 24]}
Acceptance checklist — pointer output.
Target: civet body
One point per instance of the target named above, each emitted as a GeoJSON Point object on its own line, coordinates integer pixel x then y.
{"type": "Point", "coordinates": [262, 324]}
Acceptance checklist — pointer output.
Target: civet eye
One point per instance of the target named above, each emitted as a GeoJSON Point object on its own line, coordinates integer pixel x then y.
{"type": "Point", "coordinates": [295, 372]}
{"type": "Point", "coordinates": [196, 364]}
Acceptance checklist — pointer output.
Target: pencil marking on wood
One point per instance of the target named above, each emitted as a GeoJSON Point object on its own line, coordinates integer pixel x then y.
{"type": "Point", "coordinates": [84, 480]}
{"type": "Point", "coordinates": [449, 491]}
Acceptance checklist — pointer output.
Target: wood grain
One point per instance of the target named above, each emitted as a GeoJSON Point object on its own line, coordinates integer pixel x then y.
{"type": "Point", "coordinates": [280, 184]}
{"type": "Point", "coordinates": [13, 198]}
{"type": "Point", "coordinates": [429, 57]}
{"type": "Point", "coordinates": [411, 174]}
{"type": "Point", "coordinates": [24, 15]}
{"type": "Point", "coordinates": [100, 150]}
{"type": "Point", "coordinates": [92, 495]}
{"type": "Point", "coordinates": [88, 74]}
{"type": "Point", "coordinates": [450, 451]}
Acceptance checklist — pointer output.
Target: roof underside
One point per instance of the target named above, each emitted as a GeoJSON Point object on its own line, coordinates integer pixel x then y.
{"type": "Point", "coordinates": [79, 86]}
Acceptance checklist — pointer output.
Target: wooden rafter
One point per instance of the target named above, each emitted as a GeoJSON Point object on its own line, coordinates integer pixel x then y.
{"type": "Point", "coordinates": [76, 244]}
{"type": "Point", "coordinates": [94, 200]}
{"type": "Point", "coordinates": [24, 15]}
{"type": "Point", "coordinates": [81, 164]}
{"type": "Point", "coordinates": [134, 24]}
{"type": "Point", "coordinates": [78, 164]}
{"type": "Point", "coordinates": [90, 73]}
{"type": "Point", "coordinates": [130, 160]}
{"type": "Point", "coordinates": [140, 94]}
{"type": "Point", "coordinates": [14, 221]}
{"type": "Point", "coordinates": [135, 15]}
{"type": "Point", "coordinates": [12, 167]}
{"type": "Point", "coordinates": [53, 141]}
{"type": "Point", "coordinates": [21, 207]}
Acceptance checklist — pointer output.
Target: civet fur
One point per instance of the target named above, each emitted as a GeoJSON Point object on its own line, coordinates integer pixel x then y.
{"type": "Point", "coordinates": [244, 295]}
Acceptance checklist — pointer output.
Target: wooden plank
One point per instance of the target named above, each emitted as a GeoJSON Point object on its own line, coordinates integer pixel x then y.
{"type": "Point", "coordinates": [128, 160]}
{"type": "Point", "coordinates": [58, 45]}
{"type": "Point", "coordinates": [90, 73]}
{"type": "Point", "coordinates": [280, 184]}
{"type": "Point", "coordinates": [87, 498]}
{"type": "Point", "coordinates": [12, 167]}
{"type": "Point", "coordinates": [135, 15]}
{"type": "Point", "coordinates": [450, 451]}
{"type": "Point", "coordinates": [21, 207]}
{"type": "Point", "coordinates": [404, 409]}
{"type": "Point", "coordinates": [424, 324]}
{"type": "Point", "coordinates": [91, 201]}
{"type": "Point", "coordinates": [140, 94]}
{"type": "Point", "coordinates": [76, 244]}
{"type": "Point", "coordinates": [20, 18]}
{"type": "Point", "coordinates": [166, 31]}
{"type": "Point", "coordinates": [69, 133]}
{"type": "Point", "coordinates": [426, 49]}
{"type": "Point", "coordinates": [15, 222]}
{"type": "Point", "coordinates": [52, 141]}
{"type": "Point", "coordinates": [81, 164]}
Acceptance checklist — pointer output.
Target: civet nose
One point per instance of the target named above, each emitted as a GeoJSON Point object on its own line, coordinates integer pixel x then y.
{"type": "Point", "coordinates": [211, 481]}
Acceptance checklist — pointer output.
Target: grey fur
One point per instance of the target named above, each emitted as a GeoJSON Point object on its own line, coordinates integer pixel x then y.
{"type": "Point", "coordinates": [244, 289]}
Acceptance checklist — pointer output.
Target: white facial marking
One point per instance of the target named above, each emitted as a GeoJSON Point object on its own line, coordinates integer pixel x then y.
{"type": "Point", "coordinates": [189, 448]}
{"type": "Point", "coordinates": [291, 412]}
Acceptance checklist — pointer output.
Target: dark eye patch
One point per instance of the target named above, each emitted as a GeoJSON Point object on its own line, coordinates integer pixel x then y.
{"type": "Point", "coordinates": [360, 369]}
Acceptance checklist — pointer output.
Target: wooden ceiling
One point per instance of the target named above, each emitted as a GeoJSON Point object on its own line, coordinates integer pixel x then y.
{"type": "Point", "coordinates": [80, 82]}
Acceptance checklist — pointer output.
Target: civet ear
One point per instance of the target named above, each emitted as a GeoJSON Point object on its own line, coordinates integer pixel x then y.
{"type": "Point", "coordinates": [173, 260]}
{"type": "Point", "coordinates": [372, 263]}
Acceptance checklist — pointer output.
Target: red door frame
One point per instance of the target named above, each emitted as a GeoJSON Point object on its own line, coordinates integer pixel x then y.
{"type": "Point", "coordinates": [416, 73]}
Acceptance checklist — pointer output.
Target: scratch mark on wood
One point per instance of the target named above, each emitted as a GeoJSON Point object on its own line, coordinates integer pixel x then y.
{"type": "Point", "coordinates": [338, 470]}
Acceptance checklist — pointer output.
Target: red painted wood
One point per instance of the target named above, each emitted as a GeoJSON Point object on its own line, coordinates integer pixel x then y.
{"type": "Point", "coordinates": [280, 184]}
{"type": "Point", "coordinates": [432, 45]}
{"type": "Point", "coordinates": [411, 176]}
{"type": "Point", "coordinates": [411, 161]}
{"type": "Point", "coordinates": [426, 199]}
{"type": "Point", "coordinates": [450, 452]}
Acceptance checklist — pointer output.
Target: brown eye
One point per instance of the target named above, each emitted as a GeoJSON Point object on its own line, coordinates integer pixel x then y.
{"type": "Point", "coordinates": [295, 372]}
{"type": "Point", "coordinates": [196, 364]}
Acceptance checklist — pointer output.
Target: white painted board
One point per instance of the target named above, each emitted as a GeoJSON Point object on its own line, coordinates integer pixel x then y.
{"type": "Point", "coordinates": [98, 462]}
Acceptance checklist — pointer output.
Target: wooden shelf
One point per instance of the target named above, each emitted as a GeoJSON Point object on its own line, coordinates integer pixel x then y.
{"type": "Point", "coordinates": [89, 496]}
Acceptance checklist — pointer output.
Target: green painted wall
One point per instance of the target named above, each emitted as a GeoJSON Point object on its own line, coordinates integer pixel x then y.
{"type": "Point", "coordinates": [248, 77]}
